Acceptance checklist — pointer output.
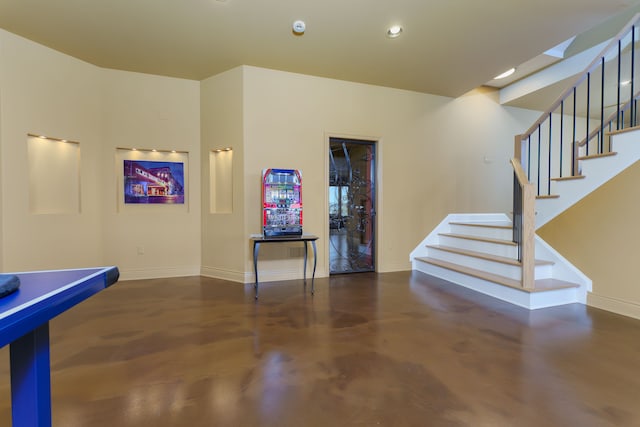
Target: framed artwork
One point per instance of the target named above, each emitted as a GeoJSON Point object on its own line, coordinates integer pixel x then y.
{"type": "Point", "coordinates": [153, 182]}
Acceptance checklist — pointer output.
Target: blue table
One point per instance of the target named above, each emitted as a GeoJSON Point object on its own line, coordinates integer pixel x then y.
{"type": "Point", "coordinates": [24, 324]}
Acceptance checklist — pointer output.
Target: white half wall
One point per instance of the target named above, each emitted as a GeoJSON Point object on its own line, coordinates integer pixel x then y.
{"type": "Point", "coordinates": [596, 171]}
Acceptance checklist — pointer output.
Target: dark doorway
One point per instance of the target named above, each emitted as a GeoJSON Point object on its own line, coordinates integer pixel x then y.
{"type": "Point", "coordinates": [351, 205]}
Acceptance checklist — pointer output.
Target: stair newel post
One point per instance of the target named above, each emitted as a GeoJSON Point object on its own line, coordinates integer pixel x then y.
{"type": "Point", "coordinates": [528, 236]}
{"type": "Point", "coordinates": [524, 223]}
{"type": "Point", "coordinates": [517, 148]}
{"type": "Point", "coordinates": [522, 153]}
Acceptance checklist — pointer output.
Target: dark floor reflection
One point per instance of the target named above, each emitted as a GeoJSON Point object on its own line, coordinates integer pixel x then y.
{"type": "Point", "coordinates": [349, 254]}
{"type": "Point", "coordinates": [393, 349]}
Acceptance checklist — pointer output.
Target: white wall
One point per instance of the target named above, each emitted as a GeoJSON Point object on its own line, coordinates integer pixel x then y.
{"type": "Point", "coordinates": [483, 133]}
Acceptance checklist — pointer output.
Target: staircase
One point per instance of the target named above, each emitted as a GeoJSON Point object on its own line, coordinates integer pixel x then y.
{"type": "Point", "coordinates": [588, 135]}
{"type": "Point", "coordinates": [477, 251]}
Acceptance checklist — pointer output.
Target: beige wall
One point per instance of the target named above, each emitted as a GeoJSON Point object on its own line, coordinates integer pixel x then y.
{"type": "Point", "coordinates": [1, 162]}
{"type": "Point", "coordinates": [45, 92]}
{"type": "Point", "coordinates": [436, 155]}
{"type": "Point", "coordinates": [224, 239]}
{"type": "Point", "coordinates": [145, 111]}
{"type": "Point", "coordinates": [431, 155]}
{"type": "Point", "coordinates": [600, 236]}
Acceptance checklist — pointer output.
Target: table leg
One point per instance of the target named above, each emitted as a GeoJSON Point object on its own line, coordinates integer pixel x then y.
{"type": "Point", "coordinates": [256, 248]}
{"type": "Point", "coordinates": [31, 379]}
{"type": "Point", "coordinates": [304, 271]}
{"type": "Point", "coordinates": [315, 259]}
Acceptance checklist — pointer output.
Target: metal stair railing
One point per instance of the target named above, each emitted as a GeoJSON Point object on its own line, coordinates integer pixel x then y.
{"type": "Point", "coordinates": [603, 98]}
{"type": "Point", "coordinates": [524, 223]}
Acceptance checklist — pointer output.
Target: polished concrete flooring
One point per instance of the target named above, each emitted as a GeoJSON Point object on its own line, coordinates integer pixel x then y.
{"type": "Point", "coordinates": [394, 349]}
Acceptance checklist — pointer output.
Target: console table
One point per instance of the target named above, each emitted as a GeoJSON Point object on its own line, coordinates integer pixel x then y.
{"type": "Point", "coordinates": [305, 238]}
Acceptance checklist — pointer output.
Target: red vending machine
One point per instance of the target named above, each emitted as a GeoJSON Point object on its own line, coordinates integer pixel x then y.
{"type": "Point", "coordinates": [281, 202]}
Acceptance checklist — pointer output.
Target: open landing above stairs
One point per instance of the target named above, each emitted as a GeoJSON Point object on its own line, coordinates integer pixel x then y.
{"type": "Point", "coordinates": [477, 251]}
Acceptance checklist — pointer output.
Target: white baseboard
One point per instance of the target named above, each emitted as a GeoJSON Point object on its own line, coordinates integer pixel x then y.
{"type": "Point", "coordinates": [264, 275]}
{"type": "Point", "coordinates": [393, 267]}
{"type": "Point", "coordinates": [231, 275]}
{"type": "Point", "coordinates": [158, 273]}
{"type": "Point", "coordinates": [614, 305]}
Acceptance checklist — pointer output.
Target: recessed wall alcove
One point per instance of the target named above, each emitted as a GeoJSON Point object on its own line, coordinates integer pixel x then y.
{"type": "Point", "coordinates": [54, 175]}
{"type": "Point", "coordinates": [221, 182]}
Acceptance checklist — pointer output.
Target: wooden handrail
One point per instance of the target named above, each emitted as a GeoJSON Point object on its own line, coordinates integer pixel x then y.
{"type": "Point", "coordinates": [528, 226]}
{"type": "Point", "coordinates": [517, 148]}
{"type": "Point", "coordinates": [581, 77]}
{"type": "Point", "coordinates": [519, 171]}
{"type": "Point", "coordinates": [549, 148]}
{"type": "Point", "coordinates": [525, 191]}
{"type": "Point", "coordinates": [609, 119]}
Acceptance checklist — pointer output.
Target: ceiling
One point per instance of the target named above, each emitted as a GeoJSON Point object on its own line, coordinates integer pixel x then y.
{"type": "Point", "coordinates": [448, 47]}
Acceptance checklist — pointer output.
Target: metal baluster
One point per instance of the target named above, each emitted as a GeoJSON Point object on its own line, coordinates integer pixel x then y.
{"type": "Point", "coordinates": [634, 106]}
{"type": "Point", "coordinates": [517, 215]}
{"type": "Point", "coordinates": [588, 109]}
{"type": "Point", "coordinates": [539, 149]}
{"type": "Point", "coordinates": [529, 158]}
{"type": "Point", "coordinates": [618, 85]}
{"type": "Point", "coordinates": [573, 139]}
{"type": "Point", "coordinates": [549, 161]}
{"type": "Point", "coordinates": [601, 136]}
{"type": "Point", "coordinates": [561, 133]}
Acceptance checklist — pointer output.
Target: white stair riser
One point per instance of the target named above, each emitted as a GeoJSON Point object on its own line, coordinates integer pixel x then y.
{"type": "Point", "coordinates": [561, 269]}
{"type": "Point", "coordinates": [543, 271]}
{"type": "Point", "coordinates": [511, 271]}
{"type": "Point", "coordinates": [488, 232]}
{"type": "Point", "coordinates": [527, 300]}
{"type": "Point", "coordinates": [497, 249]}
{"type": "Point", "coordinates": [502, 269]}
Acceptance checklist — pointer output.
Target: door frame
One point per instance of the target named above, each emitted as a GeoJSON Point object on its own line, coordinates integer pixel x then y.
{"type": "Point", "coordinates": [377, 196]}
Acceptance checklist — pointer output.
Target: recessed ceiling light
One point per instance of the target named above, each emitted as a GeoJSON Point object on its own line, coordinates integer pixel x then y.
{"type": "Point", "coordinates": [505, 74]}
{"type": "Point", "coordinates": [625, 82]}
{"type": "Point", "coordinates": [394, 31]}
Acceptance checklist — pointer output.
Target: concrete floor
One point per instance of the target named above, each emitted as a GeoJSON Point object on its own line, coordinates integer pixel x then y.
{"type": "Point", "coordinates": [393, 349]}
